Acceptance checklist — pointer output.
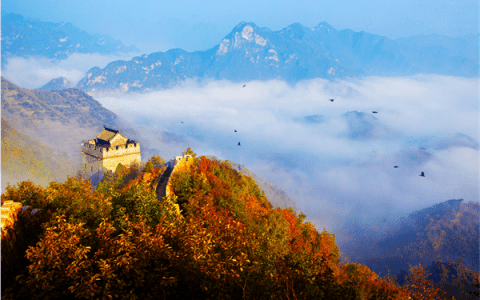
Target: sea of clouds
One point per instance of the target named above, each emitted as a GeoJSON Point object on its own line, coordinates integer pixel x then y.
{"type": "Point", "coordinates": [336, 159]}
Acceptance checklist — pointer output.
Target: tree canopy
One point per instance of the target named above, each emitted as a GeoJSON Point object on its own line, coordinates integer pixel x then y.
{"type": "Point", "coordinates": [216, 237]}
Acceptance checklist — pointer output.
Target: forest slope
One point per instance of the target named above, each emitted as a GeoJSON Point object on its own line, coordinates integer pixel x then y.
{"type": "Point", "coordinates": [216, 237]}
{"type": "Point", "coordinates": [60, 119]}
{"type": "Point", "coordinates": [24, 158]}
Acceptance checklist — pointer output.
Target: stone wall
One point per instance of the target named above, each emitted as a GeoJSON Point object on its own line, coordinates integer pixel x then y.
{"type": "Point", "coordinates": [95, 158]}
{"type": "Point", "coordinates": [111, 163]}
{"type": "Point", "coordinates": [121, 150]}
{"type": "Point", "coordinates": [92, 150]}
{"type": "Point", "coordinates": [90, 163]}
{"type": "Point", "coordinates": [112, 151]}
{"type": "Point", "coordinates": [180, 163]}
{"type": "Point", "coordinates": [9, 211]}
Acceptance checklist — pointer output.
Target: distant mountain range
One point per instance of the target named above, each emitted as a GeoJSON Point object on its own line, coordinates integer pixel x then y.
{"type": "Point", "coordinates": [446, 231]}
{"type": "Point", "coordinates": [292, 54]}
{"type": "Point", "coordinates": [23, 37]}
{"type": "Point", "coordinates": [248, 53]}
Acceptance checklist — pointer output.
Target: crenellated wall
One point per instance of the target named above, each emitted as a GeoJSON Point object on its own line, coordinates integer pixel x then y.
{"type": "Point", "coordinates": [112, 151]}
{"type": "Point", "coordinates": [97, 157]}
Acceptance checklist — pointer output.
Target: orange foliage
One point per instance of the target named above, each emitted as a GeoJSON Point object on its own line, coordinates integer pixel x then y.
{"type": "Point", "coordinates": [420, 286]}
{"type": "Point", "coordinates": [228, 243]}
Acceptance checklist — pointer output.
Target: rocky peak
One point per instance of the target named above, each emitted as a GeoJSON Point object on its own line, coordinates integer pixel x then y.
{"type": "Point", "coordinates": [324, 27]}
{"type": "Point", "coordinates": [59, 83]}
{"type": "Point", "coordinates": [243, 34]}
{"type": "Point", "coordinates": [296, 30]}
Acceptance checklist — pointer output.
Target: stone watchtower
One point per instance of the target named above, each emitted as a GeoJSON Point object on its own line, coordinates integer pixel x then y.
{"type": "Point", "coordinates": [109, 149]}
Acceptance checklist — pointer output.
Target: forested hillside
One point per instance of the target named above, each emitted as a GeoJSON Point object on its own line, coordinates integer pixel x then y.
{"type": "Point", "coordinates": [216, 237]}
{"type": "Point", "coordinates": [447, 231]}
{"type": "Point", "coordinates": [24, 158]}
{"type": "Point", "coordinates": [59, 119]}
{"type": "Point", "coordinates": [277, 196]}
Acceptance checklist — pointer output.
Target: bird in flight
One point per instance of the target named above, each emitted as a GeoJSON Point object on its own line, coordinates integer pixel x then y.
{"type": "Point", "coordinates": [235, 130]}
{"type": "Point", "coordinates": [374, 112]}
{"type": "Point", "coordinates": [182, 122]}
{"type": "Point", "coordinates": [331, 100]}
{"type": "Point", "coordinates": [422, 175]}
{"type": "Point", "coordinates": [244, 85]}
{"type": "Point", "coordinates": [239, 143]}
{"type": "Point", "coordinates": [396, 167]}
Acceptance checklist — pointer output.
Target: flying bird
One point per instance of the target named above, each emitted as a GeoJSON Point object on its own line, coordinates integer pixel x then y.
{"type": "Point", "coordinates": [235, 130]}
{"type": "Point", "coordinates": [239, 143]}
{"type": "Point", "coordinates": [182, 122]}
{"type": "Point", "coordinates": [244, 85]}
{"type": "Point", "coordinates": [422, 175]}
{"type": "Point", "coordinates": [331, 100]}
{"type": "Point", "coordinates": [396, 167]}
{"type": "Point", "coordinates": [374, 112]}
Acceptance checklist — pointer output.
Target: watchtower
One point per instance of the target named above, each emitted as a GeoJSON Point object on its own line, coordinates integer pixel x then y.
{"type": "Point", "coordinates": [109, 149]}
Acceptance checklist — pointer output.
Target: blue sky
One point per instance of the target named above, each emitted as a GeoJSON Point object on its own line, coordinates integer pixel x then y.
{"type": "Point", "coordinates": [197, 25]}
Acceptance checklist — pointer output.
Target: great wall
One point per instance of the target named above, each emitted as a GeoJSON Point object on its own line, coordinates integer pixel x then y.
{"type": "Point", "coordinates": [10, 209]}
{"type": "Point", "coordinates": [105, 152]}
{"type": "Point", "coordinates": [164, 182]}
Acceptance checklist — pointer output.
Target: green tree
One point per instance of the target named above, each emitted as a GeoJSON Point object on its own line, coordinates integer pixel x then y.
{"type": "Point", "coordinates": [156, 161]}
{"type": "Point", "coordinates": [189, 151]}
{"type": "Point", "coordinates": [148, 167]}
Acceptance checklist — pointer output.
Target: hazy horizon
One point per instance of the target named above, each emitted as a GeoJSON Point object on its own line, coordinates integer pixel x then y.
{"type": "Point", "coordinates": [157, 26]}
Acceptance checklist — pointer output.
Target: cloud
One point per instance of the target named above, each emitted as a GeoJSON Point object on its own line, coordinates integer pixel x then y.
{"type": "Point", "coordinates": [334, 158]}
{"type": "Point", "coordinates": [34, 72]}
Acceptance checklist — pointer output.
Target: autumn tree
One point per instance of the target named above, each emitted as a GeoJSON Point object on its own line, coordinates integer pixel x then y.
{"type": "Point", "coordinates": [226, 242]}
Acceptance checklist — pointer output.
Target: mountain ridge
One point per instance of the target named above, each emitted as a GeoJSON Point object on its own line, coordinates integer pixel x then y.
{"type": "Point", "coordinates": [447, 231]}
{"type": "Point", "coordinates": [59, 83]}
{"type": "Point", "coordinates": [276, 195]}
{"type": "Point", "coordinates": [293, 53]}
{"type": "Point", "coordinates": [58, 118]}
{"type": "Point", "coordinates": [25, 37]}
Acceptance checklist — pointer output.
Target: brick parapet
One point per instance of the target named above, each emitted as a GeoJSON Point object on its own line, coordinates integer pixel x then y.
{"type": "Point", "coordinates": [9, 211]}
{"type": "Point", "coordinates": [101, 152]}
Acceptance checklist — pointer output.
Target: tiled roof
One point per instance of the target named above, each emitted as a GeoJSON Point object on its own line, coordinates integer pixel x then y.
{"type": "Point", "coordinates": [107, 134]}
